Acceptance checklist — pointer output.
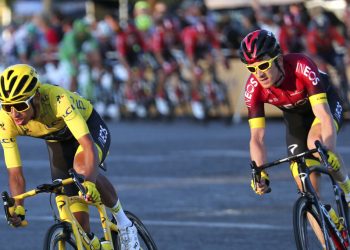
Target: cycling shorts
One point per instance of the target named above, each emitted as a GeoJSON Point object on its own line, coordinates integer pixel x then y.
{"type": "Point", "coordinates": [62, 153]}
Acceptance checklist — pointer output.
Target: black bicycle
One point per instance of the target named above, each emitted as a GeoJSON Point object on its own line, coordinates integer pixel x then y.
{"type": "Point", "coordinates": [313, 222]}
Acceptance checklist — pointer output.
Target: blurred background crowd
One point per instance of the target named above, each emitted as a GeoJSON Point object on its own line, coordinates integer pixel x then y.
{"type": "Point", "coordinates": [151, 59]}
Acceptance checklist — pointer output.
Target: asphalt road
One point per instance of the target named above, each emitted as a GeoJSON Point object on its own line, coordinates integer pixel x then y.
{"type": "Point", "coordinates": [188, 182]}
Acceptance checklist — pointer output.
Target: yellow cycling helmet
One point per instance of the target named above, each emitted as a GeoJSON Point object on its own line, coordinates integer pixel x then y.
{"type": "Point", "coordinates": [18, 82]}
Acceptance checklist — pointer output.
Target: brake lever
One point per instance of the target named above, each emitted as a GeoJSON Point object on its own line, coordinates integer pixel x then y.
{"type": "Point", "coordinates": [256, 175]}
{"type": "Point", "coordinates": [78, 179]}
{"type": "Point", "coordinates": [323, 153]}
{"type": "Point", "coordinates": [8, 202]}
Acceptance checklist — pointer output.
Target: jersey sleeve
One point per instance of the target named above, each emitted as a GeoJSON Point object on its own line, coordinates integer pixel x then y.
{"type": "Point", "coordinates": [252, 97]}
{"type": "Point", "coordinates": [67, 107]}
{"type": "Point", "coordinates": [308, 73]}
{"type": "Point", "coordinates": [9, 142]}
{"type": "Point", "coordinates": [121, 44]}
{"type": "Point", "coordinates": [157, 41]}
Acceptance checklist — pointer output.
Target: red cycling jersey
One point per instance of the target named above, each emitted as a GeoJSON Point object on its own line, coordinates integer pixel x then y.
{"type": "Point", "coordinates": [192, 38]}
{"type": "Point", "coordinates": [130, 41]}
{"type": "Point", "coordinates": [301, 81]}
{"type": "Point", "coordinates": [317, 44]}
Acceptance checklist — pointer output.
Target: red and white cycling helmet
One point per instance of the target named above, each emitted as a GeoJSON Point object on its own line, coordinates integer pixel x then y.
{"type": "Point", "coordinates": [257, 44]}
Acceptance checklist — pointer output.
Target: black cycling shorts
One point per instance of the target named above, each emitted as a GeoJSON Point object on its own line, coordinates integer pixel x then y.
{"type": "Point", "coordinates": [298, 124]}
{"type": "Point", "coordinates": [62, 153]}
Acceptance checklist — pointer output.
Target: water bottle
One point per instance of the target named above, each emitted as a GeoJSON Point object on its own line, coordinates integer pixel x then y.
{"type": "Point", "coordinates": [334, 217]}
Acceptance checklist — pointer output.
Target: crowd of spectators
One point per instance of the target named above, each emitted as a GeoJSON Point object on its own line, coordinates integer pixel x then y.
{"type": "Point", "coordinates": [125, 67]}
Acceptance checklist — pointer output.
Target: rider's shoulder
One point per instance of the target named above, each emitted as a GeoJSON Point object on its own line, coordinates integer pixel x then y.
{"type": "Point", "coordinates": [297, 58]}
{"type": "Point", "coordinates": [52, 94]}
{"type": "Point", "coordinates": [7, 125]}
{"type": "Point", "coordinates": [51, 89]}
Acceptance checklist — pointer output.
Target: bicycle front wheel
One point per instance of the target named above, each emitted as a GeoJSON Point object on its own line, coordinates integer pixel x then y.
{"type": "Point", "coordinates": [145, 238]}
{"type": "Point", "coordinates": [307, 225]}
{"type": "Point", "coordinates": [60, 237]}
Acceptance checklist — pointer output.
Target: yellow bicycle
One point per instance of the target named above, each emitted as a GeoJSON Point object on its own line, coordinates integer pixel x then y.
{"type": "Point", "coordinates": [67, 233]}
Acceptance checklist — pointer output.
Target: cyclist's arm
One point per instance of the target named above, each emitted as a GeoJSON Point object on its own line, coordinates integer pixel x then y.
{"type": "Point", "coordinates": [90, 158]}
{"type": "Point", "coordinates": [16, 182]}
{"type": "Point", "coordinates": [258, 153]}
{"type": "Point", "coordinates": [72, 109]}
{"type": "Point", "coordinates": [13, 161]}
{"type": "Point", "coordinates": [328, 130]}
{"type": "Point", "coordinates": [257, 145]}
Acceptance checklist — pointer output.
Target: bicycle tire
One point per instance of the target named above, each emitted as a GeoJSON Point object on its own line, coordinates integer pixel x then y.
{"type": "Point", "coordinates": [145, 238]}
{"type": "Point", "coordinates": [60, 232]}
{"type": "Point", "coordinates": [305, 237]}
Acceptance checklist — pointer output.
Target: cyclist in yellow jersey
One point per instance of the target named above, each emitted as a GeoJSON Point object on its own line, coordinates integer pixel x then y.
{"type": "Point", "coordinates": [312, 109]}
{"type": "Point", "coordinates": [75, 135]}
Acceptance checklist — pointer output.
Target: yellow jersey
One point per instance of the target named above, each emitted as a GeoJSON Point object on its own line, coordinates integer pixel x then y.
{"type": "Point", "coordinates": [61, 114]}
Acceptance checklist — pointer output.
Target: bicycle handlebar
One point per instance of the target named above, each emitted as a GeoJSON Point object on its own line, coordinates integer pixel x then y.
{"type": "Point", "coordinates": [54, 187]}
{"type": "Point", "coordinates": [319, 148]}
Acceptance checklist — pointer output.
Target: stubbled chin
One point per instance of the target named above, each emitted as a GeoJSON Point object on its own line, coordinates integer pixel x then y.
{"type": "Point", "coordinates": [19, 122]}
{"type": "Point", "coordinates": [265, 84]}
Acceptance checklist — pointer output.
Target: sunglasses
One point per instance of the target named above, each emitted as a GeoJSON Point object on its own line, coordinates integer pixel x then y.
{"type": "Point", "coordinates": [19, 106]}
{"type": "Point", "coordinates": [263, 66]}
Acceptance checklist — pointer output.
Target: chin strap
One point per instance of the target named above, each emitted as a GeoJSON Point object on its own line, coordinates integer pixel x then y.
{"type": "Point", "coordinates": [34, 109]}
{"type": "Point", "coordinates": [279, 81]}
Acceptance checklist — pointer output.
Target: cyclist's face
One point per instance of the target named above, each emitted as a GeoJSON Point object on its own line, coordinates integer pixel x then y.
{"type": "Point", "coordinates": [22, 118]}
{"type": "Point", "coordinates": [266, 71]}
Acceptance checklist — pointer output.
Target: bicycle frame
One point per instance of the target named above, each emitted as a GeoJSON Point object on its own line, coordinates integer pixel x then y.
{"type": "Point", "coordinates": [308, 191]}
{"type": "Point", "coordinates": [64, 203]}
{"type": "Point", "coordinates": [82, 240]}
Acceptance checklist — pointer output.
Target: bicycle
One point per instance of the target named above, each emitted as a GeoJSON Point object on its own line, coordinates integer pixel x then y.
{"type": "Point", "coordinates": [67, 233]}
{"type": "Point", "coordinates": [308, 208]}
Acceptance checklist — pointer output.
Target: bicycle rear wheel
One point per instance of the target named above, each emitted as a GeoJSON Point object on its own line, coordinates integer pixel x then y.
{"type": "Point", "coordinates": [145, 238]}
{"type": "Point", "coordinates": [60, 237]}
{"type": "Point", "coordinates": [308, 227]}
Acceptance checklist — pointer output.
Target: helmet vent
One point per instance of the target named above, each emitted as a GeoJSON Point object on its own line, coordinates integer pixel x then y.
{"type": "Point", "coordinates": [31, 85]}
{"type": "Point", "coordinates": [5, 93]}
{"type": "Point", "coordinates": [12, 83]}
{"type": "Point", "coordinates": [22, 82]}
{"type": "Point", "coordinates": [9, 74]}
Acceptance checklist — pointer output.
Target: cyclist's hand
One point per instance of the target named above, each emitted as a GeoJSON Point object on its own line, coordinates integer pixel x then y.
{"type": "Point", "coordinates": [333, 160]}
{"type": "Point", "coordinates": [18, 214]}
{"type": "Point", "coordinates": [262, 186]}
{"type": "Point", "coordinates": [92, 193]}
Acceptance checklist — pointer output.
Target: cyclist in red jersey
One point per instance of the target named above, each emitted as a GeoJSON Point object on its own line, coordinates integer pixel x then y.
{"type": "Point", "coordinates": [311, 108]}
{"type": "Point", "coordinates": [323, 44]}
{"type": "Point", "coordinates": [131, 49]}
{"type": "Point", "coordinates": [164, 40]}
{"type": "Point", "coordinates": [200, 43]}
